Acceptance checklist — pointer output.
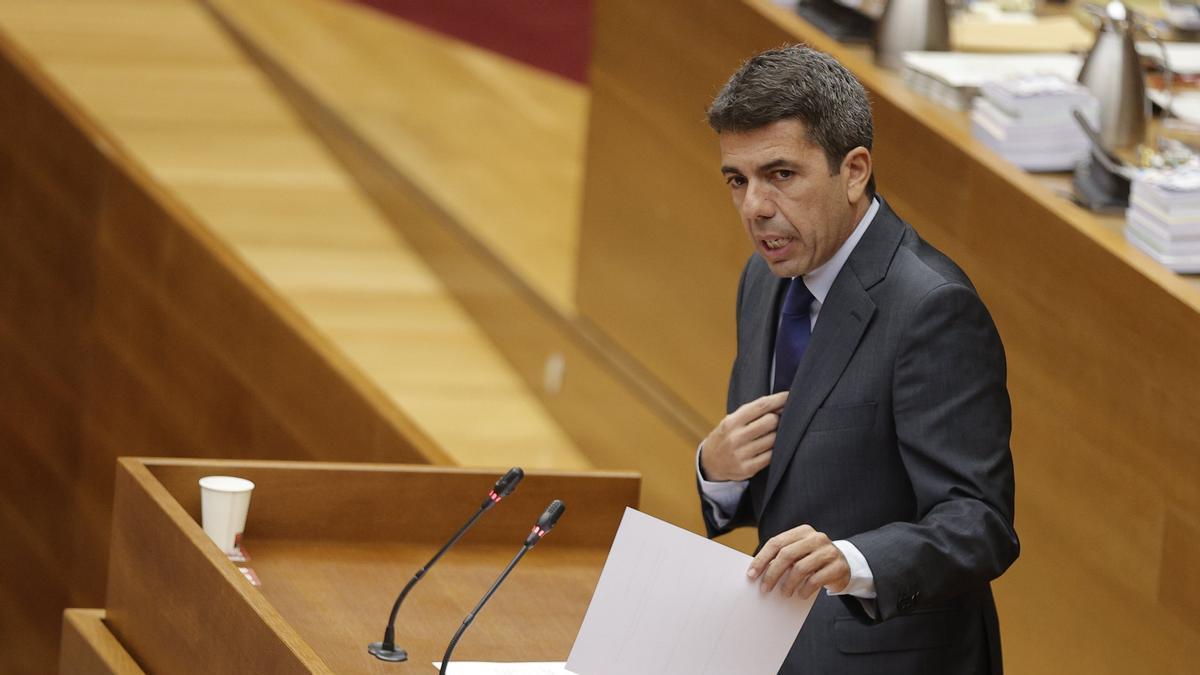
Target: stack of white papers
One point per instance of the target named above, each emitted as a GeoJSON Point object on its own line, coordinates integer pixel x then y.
{"type": "Point", "coordinates": [954, 78]}
{"type": "Point", "coordinates": [1164, 217]}
{"type": "Point", "coordinates": [1028, 121]}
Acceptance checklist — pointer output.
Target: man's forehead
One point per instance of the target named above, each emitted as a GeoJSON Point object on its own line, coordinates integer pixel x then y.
{"type": "Point", "coordinates": [783, 141]}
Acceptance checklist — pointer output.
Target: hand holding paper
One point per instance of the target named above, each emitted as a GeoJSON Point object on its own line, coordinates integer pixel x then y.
{"type": "Point", "coordinates": [672, 602]}
{"type": "Point", "coordinates": [804, 560]}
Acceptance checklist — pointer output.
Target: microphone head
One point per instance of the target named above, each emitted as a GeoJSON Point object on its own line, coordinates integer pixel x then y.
{"type": "Point", "coordinates": [551, 515]}
{"type": "Point", "coordinates": [508, 482]}
{"type": "Point", "coordinates": [547, 522]}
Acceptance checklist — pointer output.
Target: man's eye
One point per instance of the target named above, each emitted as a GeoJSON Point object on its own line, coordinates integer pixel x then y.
{"type": "Point", "coordinates": [735, 181]}
{"type": "Point", "coordinates": [784, 174]}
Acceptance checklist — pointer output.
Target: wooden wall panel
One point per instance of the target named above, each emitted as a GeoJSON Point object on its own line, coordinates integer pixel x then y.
{"type": "Point", "coordinates": [1101, 342]}
{"type": "Point", "coordinates": [1179, 586]}
{"type": "Point", "coordinates": [661, 247]}
{"type": "Point", "coordinates": [125, 328]}
{"type": "Point", "coordinates": [32, 559]}
{"type": "Point", "coordinates": [44, 305]}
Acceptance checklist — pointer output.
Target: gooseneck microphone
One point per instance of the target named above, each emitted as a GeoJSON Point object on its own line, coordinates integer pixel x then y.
{"type": "Point", "coordinates": [544, 524]}
{"type": "Point", "coordinates": [386, 650]}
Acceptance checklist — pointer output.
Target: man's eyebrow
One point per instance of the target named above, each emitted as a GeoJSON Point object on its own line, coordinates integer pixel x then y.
{"type": "Point", "coordinates": [769, 166]}
{"type": "Point", "coordinates": [777, 164]}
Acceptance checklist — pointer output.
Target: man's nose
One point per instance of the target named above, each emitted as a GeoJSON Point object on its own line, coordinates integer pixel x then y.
{"type": "Point", "coordinates": [758, 203]}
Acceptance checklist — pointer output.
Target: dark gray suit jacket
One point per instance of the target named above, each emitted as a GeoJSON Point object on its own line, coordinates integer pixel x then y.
{"type": "Point", "coordinates": [896, 438]}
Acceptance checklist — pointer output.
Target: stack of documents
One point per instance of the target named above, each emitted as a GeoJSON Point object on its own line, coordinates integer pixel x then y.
{"type": "Point", "coordinates": [1028, 121]}
{"type": "Point", "coordinates": [953, 78]}
{"type": "Point", "coordinates": [1164, 217]}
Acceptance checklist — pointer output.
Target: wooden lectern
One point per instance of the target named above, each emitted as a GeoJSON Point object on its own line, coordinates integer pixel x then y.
{"type": "Point", "coordinates": [332, 545]}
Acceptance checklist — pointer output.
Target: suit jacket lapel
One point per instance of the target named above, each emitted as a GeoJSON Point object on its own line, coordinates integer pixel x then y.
{"type": "Point", "coordinates": [761, 339]}
{"type": "Point", "coordinates": [844, 317]}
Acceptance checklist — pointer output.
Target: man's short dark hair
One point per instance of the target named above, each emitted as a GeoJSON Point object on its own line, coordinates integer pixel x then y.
{"type": "Point", "coordinates": [797, 82]}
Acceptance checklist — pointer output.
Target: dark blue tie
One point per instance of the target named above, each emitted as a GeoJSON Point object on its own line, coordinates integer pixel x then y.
{"type": "Point", "coordinates": [795, 329]}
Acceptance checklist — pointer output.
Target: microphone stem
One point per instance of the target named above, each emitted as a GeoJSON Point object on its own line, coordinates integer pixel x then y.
{"type": "Point", "coordinates": [487, 596]}
{"type": "Point", "coordinates": [389, 634]}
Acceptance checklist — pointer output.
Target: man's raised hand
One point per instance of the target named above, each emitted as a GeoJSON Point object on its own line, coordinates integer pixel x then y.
{"type": "Point", "coordinates": [741, 444]}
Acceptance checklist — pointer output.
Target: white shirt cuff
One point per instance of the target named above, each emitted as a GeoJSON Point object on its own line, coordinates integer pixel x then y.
{"type": "Point", "coordinates": [724, 495]}
{"type": "Point", "coordinates": [862, 581]}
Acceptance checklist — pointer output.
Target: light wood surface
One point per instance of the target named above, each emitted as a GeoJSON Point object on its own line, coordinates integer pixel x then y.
{"type": "Point", "coordinates": [1062, 33]}
{"type": "Point", "coordinates": [498, 144]}
{"type": "Point", "coordinates": [331, 544]}
{"type": "Point", "coordinates": [1100, 340]}
{"type": "Point", "coordinates": [89, 648]}
{"type": "Point", "coordinates": [211, 129]}
{"type": "Point", "coordinates": [618, 416]}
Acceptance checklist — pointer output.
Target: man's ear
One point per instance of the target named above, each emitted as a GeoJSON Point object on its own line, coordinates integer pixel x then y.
{"type": "Point", "coordinates": [856, 166]}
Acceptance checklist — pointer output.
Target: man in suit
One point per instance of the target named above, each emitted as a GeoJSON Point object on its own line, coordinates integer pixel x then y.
{"type": "Point", "coordinates": [868, 422]}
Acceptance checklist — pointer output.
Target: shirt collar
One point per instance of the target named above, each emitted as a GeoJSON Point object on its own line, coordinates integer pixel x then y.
{"type": "Point", "coordinates": [820, 280]}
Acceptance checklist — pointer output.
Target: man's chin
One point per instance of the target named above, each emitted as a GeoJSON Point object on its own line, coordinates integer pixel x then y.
{"type": "Point", "coordinates": [784, 269]}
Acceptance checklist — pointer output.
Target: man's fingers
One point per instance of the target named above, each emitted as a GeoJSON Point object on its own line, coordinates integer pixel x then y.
{"type": "Point", "coordinates": [801, 561]}
{"type": "Point", "coordinates": [758, 462]}
{"type": "Point", "coordinates": [830, 574]}
{"type": "Point", "coordinates": [760, 406]}
{"type": "Point", "coordinates": [758, 446]}
{"type": "Point", "coordinates": [792, 564]}
{"type": "Point", "coordinates": [771, 551]}
{"type": "Point", "coordinates": [798, 573]}
{"type": "Point", "coordinates": [766, 554]}
{"type": "Point", "coordinates": [774, 572]}
{"type": "Point", "coordinates": [835, 576]}
{"type": "Point", "coordinates": [763, 425]}
{"type": "Point", "coordinates": [775, 401]}
{"type": "Point", "coordinates": [807, 568]}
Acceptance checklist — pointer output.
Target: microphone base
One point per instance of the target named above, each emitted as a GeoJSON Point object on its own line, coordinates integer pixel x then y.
{"type": "Point", "coordinates": [376, 648]}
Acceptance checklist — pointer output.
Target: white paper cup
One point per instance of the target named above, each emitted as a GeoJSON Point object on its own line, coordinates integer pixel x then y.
{"type": "Point", "coordinates": [224, 501]}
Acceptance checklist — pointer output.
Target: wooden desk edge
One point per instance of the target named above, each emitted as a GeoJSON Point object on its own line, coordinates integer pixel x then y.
{"type": "Point", "coordinates": [329, 501]}
{"type": "Point", "coordinates": [89, 647]}
{"type": "Point", "coordinates": [151, 462]}
{"type": "Point", "coordinates": [147, 561]}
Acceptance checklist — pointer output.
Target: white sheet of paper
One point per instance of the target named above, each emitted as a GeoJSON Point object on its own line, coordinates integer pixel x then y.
{"type": "Point", "coordinates": [489, 668]}
{"type": "Point", "coordinates": [671, 602]}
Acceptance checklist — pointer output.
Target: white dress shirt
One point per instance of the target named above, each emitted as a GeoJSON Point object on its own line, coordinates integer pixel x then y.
{"type": "Point", "coordinates": [725, 495]}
